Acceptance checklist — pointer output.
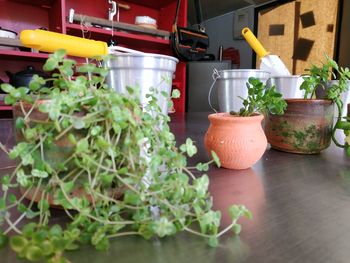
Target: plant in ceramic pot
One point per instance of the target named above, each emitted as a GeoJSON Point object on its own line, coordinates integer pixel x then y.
{"type": "Point", "coordinates": [307, 125]}
{"type": "Point", "coordinates": [102, 159]}
{"type": "Point", "coordinates": [238, 138]}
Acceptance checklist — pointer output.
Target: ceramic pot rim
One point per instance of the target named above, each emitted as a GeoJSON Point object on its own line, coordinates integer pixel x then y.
{"type": "Point", "coordinates": [226, 116]}
{"type": "Point", "coordinates": [309, 101]}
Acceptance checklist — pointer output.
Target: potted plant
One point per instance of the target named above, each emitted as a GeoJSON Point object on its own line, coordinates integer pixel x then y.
{"type": "Point", "coordinates": [119, 171]}
{"type": "Point", "coordinates": [238, 138]}
{"type": "Point", "coordinates": [307, 125]}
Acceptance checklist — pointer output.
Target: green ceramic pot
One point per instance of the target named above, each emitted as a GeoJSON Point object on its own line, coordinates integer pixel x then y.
{"type": "Point", "coordinates": [305, 127]}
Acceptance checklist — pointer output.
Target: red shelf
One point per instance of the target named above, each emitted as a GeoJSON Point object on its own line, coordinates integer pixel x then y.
{"type": "Point", "coordinates": [124, 38]}
{"type": "Point", "coordinates": [52, 14]}
{"type": "Point", "coordinates": [22, 55]}
{"type": "Point", "coordinates": [5, 108]}
{"type": "Point", "coordinates": [158, 4]}
{"type": "Point", "coordinates": [41, 3]}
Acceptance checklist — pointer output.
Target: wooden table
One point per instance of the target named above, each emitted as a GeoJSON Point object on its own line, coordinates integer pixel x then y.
{"type": "Point", "coordinates": [300, 206]}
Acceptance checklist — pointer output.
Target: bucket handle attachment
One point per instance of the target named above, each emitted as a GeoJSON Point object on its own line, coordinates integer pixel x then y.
{"type": "Point", "coordinates": [215, 76]}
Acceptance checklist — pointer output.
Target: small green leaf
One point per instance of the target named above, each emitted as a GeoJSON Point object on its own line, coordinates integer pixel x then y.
{"type": "Point", "coordinates": [22, 208]}
{"type": "Point", "coordinates": [68, 187]}
{"type": "Point", "coordinates": [39, 173]}
{"type": "Point", "coordinates": [3, 240]}
{"type": "Point", "coordinates": [201, 185]}
{"type": "Point", "coordinates": [215, 158]}
{"type": "Point", "coordinates": [103, 244]}
{"type": "Point", "coordinates": [234, 212]}
{"type": "Point", "coordinates": [59, 54]}
{"type": "Point", "coordinates": [72, 139]}
{"type": "Point", "coordinates": [18, 243]}
{"type": "Point", "coordinates": [29, 230]}
{"type": "Point", "coordinates": [20, 123]}
{"type": "Point", "coordinates": [163, 227]}
{"type": "Point", "coordinates": [131, 198]}
{"type": "Point", "coordinates": [236, 228]}
{"type": "Point", "coordinates": [175, 94]}
{"type": "Point", "coordinates": [43, 205]}
{"type": "Point", "coordinates": [34, 253]}
{"type": "Point", "coordinates": [78, 123]}
{"type": "Point", "coordinates": [96, 130]}
{"type": "Point", "coordinates": [343, 125]}
{"type": "Point", "coordinates": [7, 87]}
{"type": "Point", "coordinates": [56, 230]}
{"type": "Point", "coordinates": [189, 148]}
{"type": "Point", "coordinates": [50, 64]}
{"type": "Point", "coordinates": [44, 108]}
{"type": "Point", "coordinates": [2, 203]}
{"type": "Point", "coordinates": [213, 241]}
{"type": "Point", "coordinates": [27, 159]}
{"type": "Point", "coordinates": [202, 167]}
{"type": "Point", "coordinates": [30, 133]}
{"type": "Point", "coordinates": [36, 83]}
{"type": "Point", "coordinates": [12, 198]}
{"type": "Point", "coordinates": [102, 143]}
{"type": "Point", "coordinates": [46, 247]}
{"type": "Point", "coordinates": [107, 179]}
{"type": "Point", "coordinates": [9, 100]}
{"type": "Point", "coordinates": [82, 146]}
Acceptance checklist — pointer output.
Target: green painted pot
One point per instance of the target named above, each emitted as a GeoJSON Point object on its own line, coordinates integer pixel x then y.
{"type": "Point", "coordinates": [305, 127]}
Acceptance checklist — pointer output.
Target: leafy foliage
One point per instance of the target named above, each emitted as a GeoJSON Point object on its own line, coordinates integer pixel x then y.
{"type": "Point", "coordinates": [122, 173]}
{"type": "Point", "coordinates": [261, 99]}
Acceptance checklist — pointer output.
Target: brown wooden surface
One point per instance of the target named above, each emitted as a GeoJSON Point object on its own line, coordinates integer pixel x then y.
{"type": "Point", "coordinates": [300, 206]}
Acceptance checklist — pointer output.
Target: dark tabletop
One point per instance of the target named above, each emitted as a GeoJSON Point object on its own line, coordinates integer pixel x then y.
{"type": "Point", "coordinates": [300, 206]}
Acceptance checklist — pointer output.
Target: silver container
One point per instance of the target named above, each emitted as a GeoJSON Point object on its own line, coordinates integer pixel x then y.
{"type": "Point", "coordinates": [143, 71]}
{"type": "Point", "coordinates": [288, 86]}
{"type": "Point", "coordinates": [8, 34]}
{"type": "Point", "coordinates": [231, 85]}
{"type": "Point", "coordinates": [345, 96]}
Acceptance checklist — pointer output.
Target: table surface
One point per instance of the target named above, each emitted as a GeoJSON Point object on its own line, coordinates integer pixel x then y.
{"type": "Point", "coordinates": [300, 206]}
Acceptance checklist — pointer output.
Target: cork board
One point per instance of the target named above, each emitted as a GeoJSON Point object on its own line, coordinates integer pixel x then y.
{"type": "Point", "coordinates": [322, 33]}
{"type": "Point", "coordinates": [278, 44]}
{"type": "Point", "coordinates": [309, 32]}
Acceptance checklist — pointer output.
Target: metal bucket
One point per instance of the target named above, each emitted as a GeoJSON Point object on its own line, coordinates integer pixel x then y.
{"type": "Point", "coordinates": [231, 84]}
{"type": "Point", "coordinates": [145, 71]}
{"type": "Point", "coordinates": [288, 86]}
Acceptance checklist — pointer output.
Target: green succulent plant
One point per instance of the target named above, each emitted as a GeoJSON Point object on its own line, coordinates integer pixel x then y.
{"type": "Point", "coordinates": [261, 99]}
{"type": "Point", "coordinates": [123, 160]}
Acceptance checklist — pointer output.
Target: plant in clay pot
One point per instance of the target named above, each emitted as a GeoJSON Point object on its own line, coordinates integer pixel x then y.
{"type": "Point", "coordinates": [119, 171]}
{"type": "Point", "coordinates": [238, 138]}
{"type": "Point", "coordinates": [307, 125]}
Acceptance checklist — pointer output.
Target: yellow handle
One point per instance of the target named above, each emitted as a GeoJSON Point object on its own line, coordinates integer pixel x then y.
{"type": "Point", "coordinates": [50, 41]}
{"type": "Point", "coordinates": [254, 42]}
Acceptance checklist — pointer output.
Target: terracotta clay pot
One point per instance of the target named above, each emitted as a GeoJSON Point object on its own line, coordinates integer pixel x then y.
{"type": "Point", "coordinates": [305, 127]}
{"type": "Point", "coordinates": [239, 142]}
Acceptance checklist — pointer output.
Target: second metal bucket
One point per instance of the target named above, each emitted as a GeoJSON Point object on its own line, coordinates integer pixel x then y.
{"type": "Point", "coordinates": [231, 85]}
{"type": "Point", "coordinates": [288, 86]}
{"type": "Point", "coordinates": [145, 71]}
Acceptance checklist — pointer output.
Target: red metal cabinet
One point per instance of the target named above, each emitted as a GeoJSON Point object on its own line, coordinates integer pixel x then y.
{"type": "Point", "coordinates": [18, 15]}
